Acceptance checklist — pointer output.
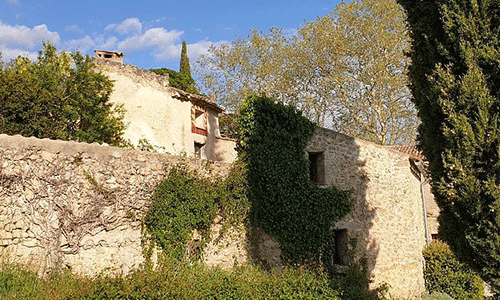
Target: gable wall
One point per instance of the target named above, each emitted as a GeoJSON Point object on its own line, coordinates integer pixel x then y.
{"type": "Point", "coordinates": [387, 220]}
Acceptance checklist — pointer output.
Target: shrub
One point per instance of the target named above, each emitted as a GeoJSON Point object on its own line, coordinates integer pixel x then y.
{"type": "Point", "coordinates": [182, 203]}
{"type": "Point", "coordinates": [171, 280]}
{"type": "Point", "coordinates": [186, 201]}
{"type": "Point", "coordinates": [445, 274]}
{"type": "Point", "coordinates": [437, 296]}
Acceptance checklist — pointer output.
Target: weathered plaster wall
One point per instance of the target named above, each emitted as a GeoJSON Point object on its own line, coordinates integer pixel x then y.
{"type": "Point", "coordinates": [387, 220]}
{"type": "Point", "coordinates": [151, 111]}
{"type": "Point", "coordinates": [76, 205]}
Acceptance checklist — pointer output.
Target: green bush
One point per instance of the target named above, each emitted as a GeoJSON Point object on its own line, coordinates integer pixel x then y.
{"type": "Point", "coordinates": [445, 274]}
{"type": "Point", "coordinates": [182, 203]}
{"type": "Point", "coordinates": [18, 283]}
{"type": "Point", "coordinates": [186, 201]}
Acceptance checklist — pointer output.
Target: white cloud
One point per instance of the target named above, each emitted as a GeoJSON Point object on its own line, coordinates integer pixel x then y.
{"type": "Point", "coordinates": [110, 43]}
{"type": "Point", "coordinates": [73, 28]}
{"type": "Point", "coordinates": [11, 53]}
{"type": "Point", "coordinates": [159, 39]}
{"type": "Point", "coordinates": [129, 26]}
{"type": "Point", "coordinates": [15, 2]}
{"type": "Point", "coordinates": [163, 44]}
{"type": "Point", "coordinates": [199, 48]}
{"type": "Point", "coordinates": [83, 45]}
{"type": "Point", "coordinates": [22, 36]}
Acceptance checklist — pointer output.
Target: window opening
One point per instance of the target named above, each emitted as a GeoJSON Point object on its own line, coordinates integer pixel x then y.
{"type": "Point", "coordinates": [197, 149]}
{"type": "Point", "coordinates": [341, 256]}
{"type": "Point", "coordinates": [317, 168]}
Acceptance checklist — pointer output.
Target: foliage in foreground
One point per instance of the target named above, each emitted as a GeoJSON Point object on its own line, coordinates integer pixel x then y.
{"type": "Point", "coordinates": [170, 281]}
{"type": "Point", "coordinates": [455, 79]}
{"type": "Point", "coordinates": [445, 274]}
{"type": "Point", "coordinates": [58, 96]}
{"type": "Point", "coordinates": [284, 202]}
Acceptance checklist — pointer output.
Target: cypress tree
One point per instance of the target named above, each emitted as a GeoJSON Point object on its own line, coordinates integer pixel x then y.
{"type": "Point", "coordinates": [185, 68]}
{"type": "Point", "coordinates": [185, 71]}
{"type": "Point", "coordinates": [455, 83]}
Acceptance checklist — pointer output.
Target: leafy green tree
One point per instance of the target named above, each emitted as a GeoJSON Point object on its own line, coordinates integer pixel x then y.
{"type": "Point", "coordinates": [58, 96]}
{"type": "Point", "coordinates": [182, 79]}
{"type": "Point", "coordinates": [455, 75]}
{"type": "Point", "coordinates": [345, 70]}
{"type": "Point", "coordinates": [177, 80]}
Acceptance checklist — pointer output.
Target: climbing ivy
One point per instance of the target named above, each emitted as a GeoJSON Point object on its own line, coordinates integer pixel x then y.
{"type": "Point", "coordinates": [271, 141]}
{"type": "Point", "coordinates": [187, 200]}
{"type": "Point", "coordinates": [269, 187]}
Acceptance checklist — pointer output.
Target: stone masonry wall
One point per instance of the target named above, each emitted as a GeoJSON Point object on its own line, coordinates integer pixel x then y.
{"type": "Point", "coordinates": [80, 206]}
{"type": "Point", "coordinates": [387, 220]}
{"type": "Point", "coordinates": [76, 205]}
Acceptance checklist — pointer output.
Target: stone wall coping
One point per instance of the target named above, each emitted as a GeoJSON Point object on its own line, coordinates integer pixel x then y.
{"type": "Point", "coordinates": [69, 148]}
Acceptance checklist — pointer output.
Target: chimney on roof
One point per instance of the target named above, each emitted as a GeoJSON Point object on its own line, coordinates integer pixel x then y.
{"type": "Point", "coordinates": [113, 56]}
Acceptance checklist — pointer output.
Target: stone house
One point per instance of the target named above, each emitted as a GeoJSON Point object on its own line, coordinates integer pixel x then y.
{"type": "Point", "coordinates": [388, 225]}
{"type": "Point", "coordinates": [164, 118]}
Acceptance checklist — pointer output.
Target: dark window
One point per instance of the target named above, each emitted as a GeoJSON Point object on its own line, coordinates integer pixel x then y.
{"type": "Point", "coordinates": [317, 167]}
{"type": "Point", "coordinates": [197, 149]}
{"type": "Point", "coordinates": [108, 56]}
{"type": "Point", "coordinates": [341, 256]}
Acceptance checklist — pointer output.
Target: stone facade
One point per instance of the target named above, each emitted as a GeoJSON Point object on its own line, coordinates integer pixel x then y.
{"type": "Point", "coordinates": [78, 206]}
{"type": "Point", "coordinates": [387, 223]}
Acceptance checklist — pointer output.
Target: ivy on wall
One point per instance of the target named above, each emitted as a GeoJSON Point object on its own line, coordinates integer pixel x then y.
{"type": "Point", "coordinates": [187, 200]}
{"type": "Point", "coordinates": [269, 186]}
{"type": "Point", "coordinates": [271, 141]}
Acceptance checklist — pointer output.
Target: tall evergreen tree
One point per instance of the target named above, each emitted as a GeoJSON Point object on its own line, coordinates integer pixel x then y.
{"type": "Point", "coordinates": [185, 70]}
{"type": "Point", "coordinates": [455, 82]}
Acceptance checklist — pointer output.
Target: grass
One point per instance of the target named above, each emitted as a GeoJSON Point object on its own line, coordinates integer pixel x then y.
{"type": "Point", "coordinates": [171, 280]}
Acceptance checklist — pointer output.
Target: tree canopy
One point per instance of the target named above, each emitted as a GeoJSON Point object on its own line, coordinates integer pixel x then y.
{"type": "Point", "coordinates": [58, 96]}
{"type": "Point", "coordinates": [177, 80]}
{"type": "Point", "coordinates": [345, 70]}
{"type": "Point", "coordinates": [455, 79]}
{"type": "Point", "coordinates": [181, 80]}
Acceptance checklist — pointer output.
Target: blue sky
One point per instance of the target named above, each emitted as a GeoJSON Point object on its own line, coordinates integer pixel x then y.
{"type": "Point", "coordinates": [150, 33]}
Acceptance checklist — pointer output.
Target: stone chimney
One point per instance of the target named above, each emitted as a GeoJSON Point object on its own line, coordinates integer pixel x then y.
{"type": "Point", "coordinates": [113, 56]}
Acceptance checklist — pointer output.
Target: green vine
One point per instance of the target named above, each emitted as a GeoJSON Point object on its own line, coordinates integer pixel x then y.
{"type": "Point", "coordinates": [186, 201]}
{"type": "Point", "coordinates": [272, 141]}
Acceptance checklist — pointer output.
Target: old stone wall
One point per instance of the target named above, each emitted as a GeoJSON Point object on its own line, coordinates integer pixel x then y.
{"type": "Point", "coordinates": [387, 221]}
{"type": "Point", "coordinates": [78, 206]}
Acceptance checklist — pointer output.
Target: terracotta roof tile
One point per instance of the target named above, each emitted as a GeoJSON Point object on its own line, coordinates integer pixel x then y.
{"type": "Point", "coordinates": [410, 149]}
